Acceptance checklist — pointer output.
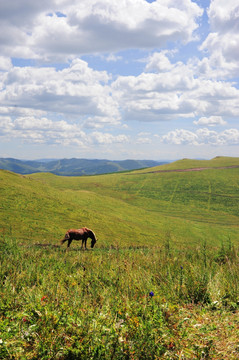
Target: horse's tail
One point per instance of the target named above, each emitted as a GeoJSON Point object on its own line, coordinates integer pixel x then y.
{"type": "Point", "coordinates": [67, 237]}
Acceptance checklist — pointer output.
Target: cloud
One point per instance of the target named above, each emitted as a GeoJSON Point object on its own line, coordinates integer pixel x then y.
{"type": "Point", "coordinates": [92, 100]}
{"type": "Point", "coordinates": [40, 130]}
{"type": "Point", "coordinates": [159, 62]}
{"type": "Point", "coordinates": [46, 131]}
{"type": "Point", "coordinates": [77, 92]}
{"type": "Point", "coordinates": [222, 43]}
{"type": "Point", "coordinates": [174, 91]}
{"type": "Point", "coordinates": [38, 30]}
{"type": "Point", "coordinates": [5, 63]}
{"type": "Point", "coordinates": [223, 15]}
{"type": "Point", "coordinates": [202, 137]}
{"type": "Point", "coordinates": [106, 138]}
{"type": "Point", "coordinates": [6, 125]}
{"type": "Point", "coordinates": [180, 137]}
{"type": "Point", "coordinates": [210, 121]}
{"type": "Point", "coordinates": [16, 12]}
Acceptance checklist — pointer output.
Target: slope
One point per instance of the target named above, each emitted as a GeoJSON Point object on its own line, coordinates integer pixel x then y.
{"type": "Point", "coordinates": [135, 209]}
{"type": "Point", "coordinates": [189, 164]}
{"type": "Point", "coordinates": [34, 211]}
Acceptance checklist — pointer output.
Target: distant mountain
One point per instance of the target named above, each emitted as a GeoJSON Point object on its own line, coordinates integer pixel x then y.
{"type": "Point", "coordinates": [74, 167]}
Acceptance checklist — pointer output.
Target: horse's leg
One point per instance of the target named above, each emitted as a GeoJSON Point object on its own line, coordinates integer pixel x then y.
{"type": "Point", "coordinates": [85, 243]}
{"type": "Point", "coordinates": [69, 242]}
{"type": "Point", "coordinates": [63, 240]}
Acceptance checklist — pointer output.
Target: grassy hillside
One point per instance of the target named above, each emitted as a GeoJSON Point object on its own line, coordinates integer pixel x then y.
{"type": "Point", "coordinates": [191, 206]}
{"type": "Point", "coordinates": [217, 162]}
{"type": "Point", "coordinates": [128, 209]}
{"type": "Point", "coordinates": [161, 283]}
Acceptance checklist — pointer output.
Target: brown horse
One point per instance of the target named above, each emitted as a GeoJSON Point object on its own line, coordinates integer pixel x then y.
{"type": "Point", "coordinates": [79, 234]}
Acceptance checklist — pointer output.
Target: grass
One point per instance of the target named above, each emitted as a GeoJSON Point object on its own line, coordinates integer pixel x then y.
{"type": "Point", "coordinates": [161, 283]}
{"type": "Point", "coordinates": [217, 162]}
{"type": "Point", "coordinates": [118, 303]}
{"type": "Point", "coordinates": [192, 206]}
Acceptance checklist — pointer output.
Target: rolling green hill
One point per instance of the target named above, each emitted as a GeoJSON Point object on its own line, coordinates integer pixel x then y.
{"type": "Point", "coordinates": [127, 209]}
{"type": "Point", "coordinates": [217, 162]}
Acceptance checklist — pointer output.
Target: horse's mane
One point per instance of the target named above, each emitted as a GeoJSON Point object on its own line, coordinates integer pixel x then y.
{"type": "Point", "coordinates": [90, 232]}
{"type": "Point", "coordinates": [93, 234]}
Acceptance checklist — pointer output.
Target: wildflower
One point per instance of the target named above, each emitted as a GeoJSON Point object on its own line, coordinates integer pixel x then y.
{"type": "Point", "coordinates": [181, 267]}
{"type": "Point", "coordinates": [44, 298]}
{"type": "Point", "coordinates": [24, 319]}
{"type": "Point", "coordinates": [151, 294]}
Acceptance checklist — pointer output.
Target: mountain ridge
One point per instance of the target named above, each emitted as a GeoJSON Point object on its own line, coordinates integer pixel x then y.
{"type": "Point", "coordinates": [75, 166]}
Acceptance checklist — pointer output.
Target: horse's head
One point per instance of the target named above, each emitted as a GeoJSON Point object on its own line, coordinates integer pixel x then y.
{"type": "Point", "coordinates": [93, 238]}
{"type": "Point", "coordinates": [93, 241]}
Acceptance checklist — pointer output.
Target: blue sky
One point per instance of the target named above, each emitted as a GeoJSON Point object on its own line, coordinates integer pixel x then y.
{"type": "Point", "coordinates": [119, 79]}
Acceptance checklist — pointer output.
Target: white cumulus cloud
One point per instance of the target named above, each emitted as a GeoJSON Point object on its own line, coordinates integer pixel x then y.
{"type": "Point", "coordinates": [210, 121]}
{"type": "Point", "coordinates": [222, 43]}
{"type": "Point", "coordinates": [57, 29]}
{"type": "Point", "coordinates": [77, 92]}
{"type": "Point", "coordinates": [174, 91]}
{"type": "Point", "coordinates": [106, 138]}
{"type": "Point", "coordinates": [43, 130]}
{"type": "Point", "coordinates": [202, 137]}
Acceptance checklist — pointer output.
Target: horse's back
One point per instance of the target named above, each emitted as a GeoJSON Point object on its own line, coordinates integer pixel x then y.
{"type": "Point", "coordinates": [71, 231]}
{"type": "Point", "coordinates": [77, 233]}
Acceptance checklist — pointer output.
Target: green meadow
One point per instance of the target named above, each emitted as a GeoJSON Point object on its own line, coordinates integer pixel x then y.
{"type": "Point", "coordinates": [161, 283]}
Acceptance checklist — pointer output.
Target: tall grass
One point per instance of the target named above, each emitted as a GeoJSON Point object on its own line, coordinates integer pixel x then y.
{"type": "Point", "coordinates": [135, 303]}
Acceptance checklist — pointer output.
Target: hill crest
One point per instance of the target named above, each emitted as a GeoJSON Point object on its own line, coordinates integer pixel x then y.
{"type": "Point", "coordinates": [191, 164]}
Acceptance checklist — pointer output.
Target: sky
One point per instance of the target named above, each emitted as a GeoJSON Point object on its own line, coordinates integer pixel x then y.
{"type": "Point", "coordinates": [110, 79]}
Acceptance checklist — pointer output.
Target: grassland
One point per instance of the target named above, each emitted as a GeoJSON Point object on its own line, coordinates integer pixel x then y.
{"type": "Point", "coordinates": [161, 283]}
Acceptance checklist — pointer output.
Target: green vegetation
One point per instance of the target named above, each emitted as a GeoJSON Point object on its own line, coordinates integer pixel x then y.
{"type": "Point", "coordinates": [118, 303]}
{"type": "Point", "coordinates": [217, 162]}
{"type": "Point", "coordinates": [161, 283]}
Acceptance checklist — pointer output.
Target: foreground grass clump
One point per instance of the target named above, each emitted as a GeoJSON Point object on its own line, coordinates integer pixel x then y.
{"type": "Point", "coordinates": [135, 303]}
